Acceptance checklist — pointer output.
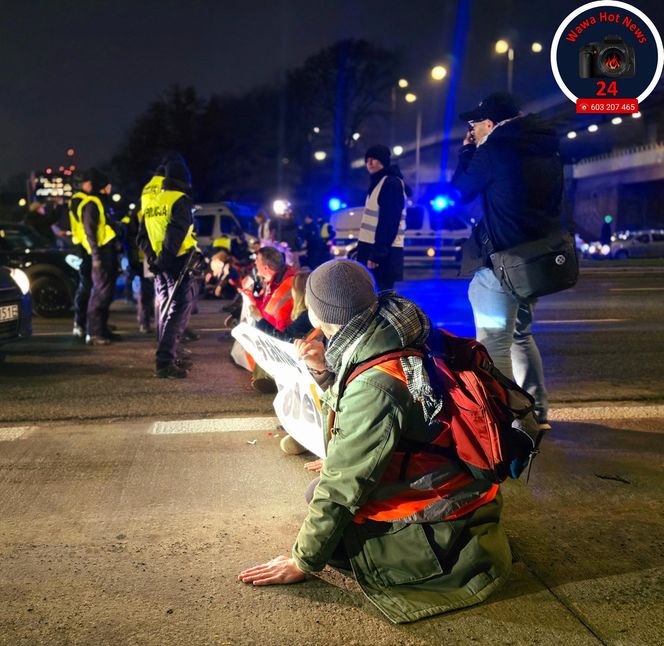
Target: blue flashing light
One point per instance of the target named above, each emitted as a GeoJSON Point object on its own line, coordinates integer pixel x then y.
{"type": "Point", "coordinates": [442, 202]}
{"type": "Point", "coordinates": [334, 204]}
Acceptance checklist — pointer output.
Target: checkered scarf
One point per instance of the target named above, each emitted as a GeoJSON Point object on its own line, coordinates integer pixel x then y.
{"type": "Point", "coordinates": [412, 326]}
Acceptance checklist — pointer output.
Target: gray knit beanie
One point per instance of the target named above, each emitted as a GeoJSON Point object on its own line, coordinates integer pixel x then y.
{"type": "Point", "coordinates": [340, 289]}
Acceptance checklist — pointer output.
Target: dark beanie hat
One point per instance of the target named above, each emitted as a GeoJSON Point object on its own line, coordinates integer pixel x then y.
{"type": "Point", "coordinates": [96, 178]}
{"type": "Point", "coordinates": [379, 152]}
{"type": "Point", "coordinates": [177, 169]}
{"type": "Point", "coordinates": [340, 289]}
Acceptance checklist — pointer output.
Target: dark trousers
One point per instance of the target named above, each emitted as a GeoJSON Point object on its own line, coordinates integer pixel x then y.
{"type": "Point", "coordinates": [383, 283]}
{"type": "Point", "coordinates": [82, 296]}
{"type": "Point", "coordinates": [172, 322]}
{"type": "Point", "coordinates": [145, 305]}
{"type": "Point", "coordinates": [103, 288]}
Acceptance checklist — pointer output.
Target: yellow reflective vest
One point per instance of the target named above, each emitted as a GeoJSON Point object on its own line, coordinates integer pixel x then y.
{"type": "Point", "coordinates": [105, 232]}
{"type": "Point", "coordinates": [157, 215]}
{"type": "Point", "coordinates": [75, 221]}
{"type": "Point", "coordinates": [150, 191]}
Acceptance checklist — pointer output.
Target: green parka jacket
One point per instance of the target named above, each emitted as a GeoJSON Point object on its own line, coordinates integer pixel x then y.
{"type": "Point", "coordinates": [409, 571]}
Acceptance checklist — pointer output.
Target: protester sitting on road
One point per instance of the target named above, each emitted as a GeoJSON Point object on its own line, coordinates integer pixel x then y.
{"type": "Point", "coordinates": [421, 534]}
{"type": "Point", "coordinates": [300, 325]}
{"type": "Point", "coordinates": [275, 302]}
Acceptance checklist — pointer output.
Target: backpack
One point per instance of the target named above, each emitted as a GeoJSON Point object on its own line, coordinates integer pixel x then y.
{"type": "Point", "coordinates": [491, 420]}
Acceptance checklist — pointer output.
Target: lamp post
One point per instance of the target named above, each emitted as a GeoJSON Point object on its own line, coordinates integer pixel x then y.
{"type": "Point", "coordinates": [503, 47]}
{"type": "Point", "coordinates": [437, 74]}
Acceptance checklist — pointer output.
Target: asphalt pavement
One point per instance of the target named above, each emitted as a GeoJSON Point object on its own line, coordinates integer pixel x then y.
{"type": "Point", "coordinates": [129, 504]}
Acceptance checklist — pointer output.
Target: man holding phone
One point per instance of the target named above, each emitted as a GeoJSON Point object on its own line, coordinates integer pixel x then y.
{"type": "Point", "coordinates": [512, 161]}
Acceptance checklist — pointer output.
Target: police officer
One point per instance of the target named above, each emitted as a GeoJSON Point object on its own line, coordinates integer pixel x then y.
{"type": "Point", "coordinates": [99, 242]}
{"type": "Point", "coordinates": [82, 296]}
{"type": "Point", "coordinates": [166, 236]}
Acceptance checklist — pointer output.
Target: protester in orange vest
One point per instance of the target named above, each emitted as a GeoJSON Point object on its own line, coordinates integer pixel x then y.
{"type": "Point", "coordinates": [420, 533]}
{"type": "Point", "coordinates": [275, 302]}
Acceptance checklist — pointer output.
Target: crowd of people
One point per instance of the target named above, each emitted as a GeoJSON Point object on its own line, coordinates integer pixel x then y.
{"type": "Point", "coordinates": [420, 534]}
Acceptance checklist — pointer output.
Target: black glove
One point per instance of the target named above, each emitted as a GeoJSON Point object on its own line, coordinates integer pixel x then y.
{"type": "Point", "coordinates": [152, 264]}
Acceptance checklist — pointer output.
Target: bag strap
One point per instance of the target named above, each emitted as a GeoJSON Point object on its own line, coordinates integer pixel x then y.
{"type": "Point", "coordinates": [383, 358]}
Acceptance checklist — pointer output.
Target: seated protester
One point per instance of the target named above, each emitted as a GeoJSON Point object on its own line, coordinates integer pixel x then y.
{"type": "Point", "coordinates": [300, 326]}
{"type": "Point", "coordinates": [423, 536]}
{"type": "Point", "coordinates": [274, 302]}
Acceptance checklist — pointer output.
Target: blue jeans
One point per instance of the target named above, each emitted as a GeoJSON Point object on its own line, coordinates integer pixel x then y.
{"type": "Point", "coordinates": [503, 326]}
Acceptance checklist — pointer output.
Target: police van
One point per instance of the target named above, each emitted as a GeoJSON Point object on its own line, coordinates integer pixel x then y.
{"type": "Point", "coordinates": [217, 223]}
{"type": "Point", "coordinates": [430, 236]}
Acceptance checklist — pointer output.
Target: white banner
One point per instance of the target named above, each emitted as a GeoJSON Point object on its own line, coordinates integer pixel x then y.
{"type": "Point", "coordinates": [297, 403]}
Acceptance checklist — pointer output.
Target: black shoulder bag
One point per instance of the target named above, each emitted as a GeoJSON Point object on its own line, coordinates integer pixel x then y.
{"type": "Point", "coordinates": [539, 267]}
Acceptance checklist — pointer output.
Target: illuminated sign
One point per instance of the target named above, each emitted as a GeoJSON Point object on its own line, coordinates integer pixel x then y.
{"type": "Point", "coordinates": [52, 186]}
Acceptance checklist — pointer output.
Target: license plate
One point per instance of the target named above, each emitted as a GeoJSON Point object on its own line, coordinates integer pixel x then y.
{"type": "Point", "coordinates": [8, 312]}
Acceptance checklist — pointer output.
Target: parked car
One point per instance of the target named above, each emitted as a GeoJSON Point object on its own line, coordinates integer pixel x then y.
{"type": "Point", "coordinates": [15, 319]}
{"type": "Point", "coordinates": [429, 236]}
{"type": "Point", "coordinates": [221, 222]}
{"type": "Point", "coordinates": [647, 243]}
{"type": "Point", "coordinates": [642, 243]}
{"type": "Point", "coordinates": [51, 272]}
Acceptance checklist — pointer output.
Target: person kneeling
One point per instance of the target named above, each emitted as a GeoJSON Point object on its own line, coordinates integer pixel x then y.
{"type": "Point", "coordinates": [421, 535]}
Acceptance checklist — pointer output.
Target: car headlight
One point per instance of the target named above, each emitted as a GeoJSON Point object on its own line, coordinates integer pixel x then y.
{"type": "Point", "coordinates": [21, 279]}
{"type": "Point", "coordinates": [73, 261]}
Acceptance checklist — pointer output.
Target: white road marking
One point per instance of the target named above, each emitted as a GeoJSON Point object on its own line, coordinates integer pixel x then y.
{"type": "Point", "coordinates": [219, 425]}
{"type": "Point", "coordinates": [11, 433]}
{"type": "Point", "coordinates": [571, 414]}
{"type": "Point", "coordinates": [583, 321]}
{"type": "Point", "coordinates": [636, 289]}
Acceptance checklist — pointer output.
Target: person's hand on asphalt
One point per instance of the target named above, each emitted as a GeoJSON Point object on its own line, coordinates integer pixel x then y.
{"type": "Point", "coordinates": [278, 571]}
{"type": "Point", "coordinates": [316, 466]}
{"type": "Point", "coordinates": [371, 264]}
{"type": "Point", "coordinates": [312, 352]}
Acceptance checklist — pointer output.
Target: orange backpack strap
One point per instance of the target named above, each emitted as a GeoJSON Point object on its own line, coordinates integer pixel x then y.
{"type": "Point", "coordinates": [393, 366]}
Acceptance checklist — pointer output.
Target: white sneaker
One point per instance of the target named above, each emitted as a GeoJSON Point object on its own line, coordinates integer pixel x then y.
{"type": "Point", "coordinates": [290, 446]}
{"type": "Point", "coordinates": [78, 331]}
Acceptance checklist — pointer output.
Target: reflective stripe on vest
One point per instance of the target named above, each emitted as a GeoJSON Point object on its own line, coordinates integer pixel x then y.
{"type": "Point", "coordinates": [279, 298]}
{"type": "Point", "coordinates": [105, 232]}
{"type": "Point", "coordinates": [369, 222]}
{"type": "Point", "coordinates": [422, 486]}
{"type": "Point", "coordinates": [157, 215]}
{"type": "Point", "coordinates": [150, 191]}
{"type": "Point", "coordinates": [75, 220]}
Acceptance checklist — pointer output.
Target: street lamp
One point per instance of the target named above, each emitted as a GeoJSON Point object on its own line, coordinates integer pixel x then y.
{"type": "Point", "coordinates": [410, 97]}
{"type": "Point", "coordinates": [356, 136]}
{"type": "Point", "coordinates": [402, 83]}
{"type": "Point", "coordinates": [503, 47]}
{"type": "Point", "coordinates": [320, 155]}
{"type": "Point", "coordinates": [438, 73]}
{"type": "Point", "coordinates": [397, 150]}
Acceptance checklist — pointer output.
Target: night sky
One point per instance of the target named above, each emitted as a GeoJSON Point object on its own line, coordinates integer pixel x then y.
{"type": "Point", "coordinates": [78, 73]}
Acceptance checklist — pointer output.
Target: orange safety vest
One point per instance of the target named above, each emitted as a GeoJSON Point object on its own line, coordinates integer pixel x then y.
{"type": "Point", "coordinates": [461, 490]}
{"type": "Point", "coordinates": [278, 309]}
